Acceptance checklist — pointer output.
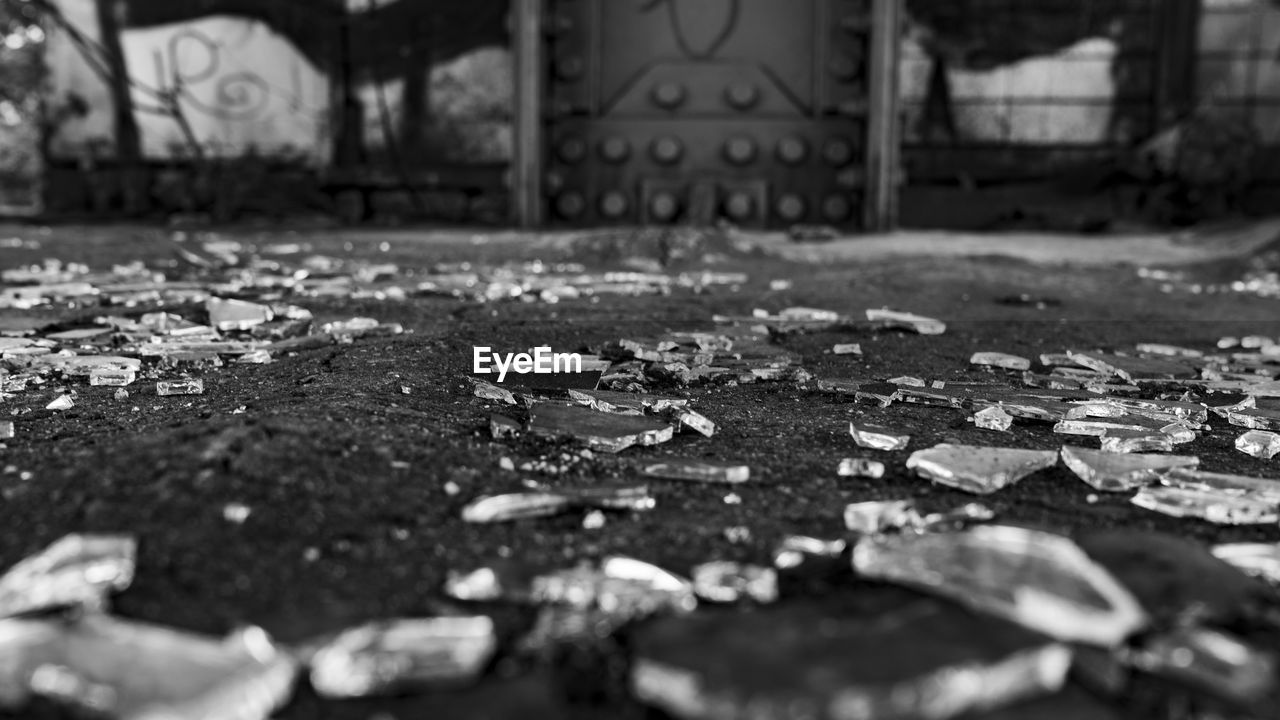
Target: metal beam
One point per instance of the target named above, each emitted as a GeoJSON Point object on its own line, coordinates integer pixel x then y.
{"type": "Point", "coordinates": [884, 120]}
{"type": "Point", "coordinates": [526, 157]}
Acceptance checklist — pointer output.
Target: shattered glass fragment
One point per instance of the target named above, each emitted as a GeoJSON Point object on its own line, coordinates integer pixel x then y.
{"type": "Point", "coordinates": [797, 661]}
{"type": "Point", "coordinates": [503, 428]}
{"type": "Point", "coordinates": [920, 324]}
{"type": "Point", "coordinates": [256, 357]}
{"type": "Point", "coordinates": [695, 470]}
{"type": "Point", "coordinates": [1000, 360]}
{"type": "Point", "coordinates": [111, 378]}
{"type": "Point", "coordinates": [186, 386]}
{"type": "Point", "coordinates": [880, 516]}
{"type": "Point", "coordinates": [957, 519]}
{"type": "Point", "coordinates": [76, 571]}
{"type": "Point", "coordinates": [878, 437]}
{"type": "Point", "coordinates": [883, 394]}
{"type": "Point", "coordinates": [1259, 443]}
{"type": "Point", "coordinates": [62, 402]}
{"type": "Point", "coordinates": [624, 403]}
{"type": "Point", "coordinates": [1210, 505]}
{"type": "Point", "coordinates": [1113, 472]}
{"type": "Point", "coordinates": [1168, 350]}
{"type": "Point", "coordinates": [593, 520]}
{"type": "Point", "coordinates": [489, 391]}
{"type": "Point", "coordinates": [1209, 660]}
{"type": "Point", "coordinates": [1132, 369]}
{"type": "Point", "coordinates": [601, 431]}
{"type": "Point", "coordinates": [794, 550]}
{"type": "Point", "coordinates": [993, 418]}
{"type": "Point", "coordinates": [727, 582]}
{"type": "Point", "coordinates": [860, 467]}
{"type": "Point", "coordinates": [908, 381]}
{"type": "Point", "coordinates": [395, 656]}
{"type": "Point", "coordinates": [618, 585]}
{"type": "Point", "coordinates": [981, 470]}
{"type": "Point", "coordinates": [228, 314]}
{"type": "Point", "coordinates": [1255, 418]}
{"type": "Point", "coordinates": [519, 506]}
{"type": "Point", "coordinates": [131, 670]}
{"type": "Point", "coordinates": [1260, 560]}
{"type": "Point", "coordinates": [1262, 488]}
{"type": "Point", "coordinates": [1132, 441]}
{"type": "Point", "coordinates": [1040, 580]}
{"type": "Point", "coordinates": [694, 421]}
{"type": "Point", "coordinates": [846, 349]}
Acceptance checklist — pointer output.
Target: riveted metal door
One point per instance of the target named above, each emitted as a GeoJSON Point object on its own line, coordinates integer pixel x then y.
{"type": "Point", "coordinates": [670, 111]}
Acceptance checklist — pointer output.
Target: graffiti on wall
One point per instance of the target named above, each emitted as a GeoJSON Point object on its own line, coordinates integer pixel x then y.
{"type": "Point", "coordinates": [271, 77]}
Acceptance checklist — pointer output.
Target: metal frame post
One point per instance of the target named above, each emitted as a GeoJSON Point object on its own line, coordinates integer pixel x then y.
{"type": "Point", "coordinates": [884, 124]}
{"type": "Point", "coordinates": [527, 130]}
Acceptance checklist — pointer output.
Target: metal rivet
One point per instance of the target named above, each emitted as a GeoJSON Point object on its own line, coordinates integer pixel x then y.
{"type": "Point", "coordinates": [837, 152]}
{"type": "Point", "coordinates": [742, 95]}
{"type": "Point", "coordinates": [663, 207]}
{"type": "Point", "coordinates": [666, 150]}
{"type": "Point", "coordinates": [613, 204]}
{"type": "Point", "coordinates": [668, 95]}
{"type": "Point", "coordinates": [740, 150]}
{"type": "Point", "coordinates": [739, 205]}
{"type": "Point", "coordinates": [792, 150]}
{"type": "Point", "coordinates": [570, 205]}
{"type": "Point", "coordinates": [615, 149]}
{"type": "Point", "coordinates": [835, 208]}
{"type": "Point", "coordinates": [790, 207]}
{"type": "Point", "coordinates": [572, 150]}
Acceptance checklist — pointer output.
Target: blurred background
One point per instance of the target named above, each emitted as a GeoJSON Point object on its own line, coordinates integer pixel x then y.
{"type": "Point", "coordinates": [857, 114]}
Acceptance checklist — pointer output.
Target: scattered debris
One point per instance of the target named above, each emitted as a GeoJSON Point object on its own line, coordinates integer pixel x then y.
{"type": "Point", "coordinates": [520, 506]}
{"type": "Point", "coordinates": [78, 571]}
{"type": "Point", "coordinates": [1000, 360]}
{"type": "Point", "coordinates": [187, 386]}
{"type": "Point", "coordinates": [980, 470]}
{"type": "Point", "coordinates": [993, 418]}
{"type": "Point", "coordinates": [1259, 443]}
{"type": "Point", "coordinates": [1037, 579]}
{"type": "Point", "coordinates": [727, 582]}
{"type": "Point", "coordinates": [883, 516]}
{"type": "Point", "coordinates": [917, 323]}
{"type": "Point", "coordinates": [1261, 560]}
{"type": "Point", "coordinates": [601, 431]}
{"type": "Point", "coordinates": [847, 349]}
{"type": "Point", "coordinates": [1209, 660]}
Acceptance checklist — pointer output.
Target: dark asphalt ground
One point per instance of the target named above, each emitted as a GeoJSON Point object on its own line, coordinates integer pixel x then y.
{"type": "Point", "coordinates": [338, 534]}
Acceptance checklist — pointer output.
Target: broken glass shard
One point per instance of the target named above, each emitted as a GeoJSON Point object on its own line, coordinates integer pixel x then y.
{"type": "Point", "coordinates": [907, 321]}
{"type": "Point", "coordinates": [520, 506]}
{"type": "Point", "coordinates": [908, 381]}
{"type": "Point", "coordinates": [993, 418]}
{"type": "Point", "coordinates": [1210, 505]}
{"type": "Point", "coordinates": [695, 470]}
{"type": "Point", "coordinates": [236, 314]}
{"type": "Point", "coordinates": [1133, 369]}
{"type": "Point", "coordinates": [694, 421]}
{"type": "Point", "coordinates": [187, 386]}
{"type": "Point", "coordinates": [617, 585]}
{"type": "Point", "coordinates": [111, 378]}
{"type": "Point", "coordinates": [1113, 472]}
{"type": "Point", "coordinates": [847, 349]}
{"type": "Point", "coordinates": [1000, 360]}
{"type": "Point", "coordinates": [1132, 441]}
{"type": "Point", "coordinates": [396, 656]}
{"type": "Point", "coordinates": [624, 403]}
{"type": "Point", "coordinates": [800, 661]}
{"type": "Point", "coordinates": [606, 432]}
{"type": "Point", "coordinates": [1209, 660]}
{"type": "Point", "coordinates": [126, 669]}
{"type": "Point", "coordinates": [502, 427]}
{"type": "Point", "coordinates": [1255, 418]}
{"type": "Point", "coordinates": [489, 391]}
{"type": "Point", "coordinates": [883, 394]}
{"type": "Point", "coordinates": [76, 571]}
{"type": "Point", "coordinates": [1259, 443]}
{"type": "Point", "coordinates": [1261, 488]}
{"type": "Point", "coordinates": [1168, 350]}
{"type": "Point", "coordinates": [880, 516]}
{"type": "Point", "coordinates": [794, 550]}
{"type": "Point", "coordinates": [861, 467]}
{"type": "Point", "coordinates": [958, 518]}
{"type": "Point", "coordinates": [980, 470]}
{"type": "Point", "coordinates": [726, 582]}
{"type": "Point", "coordinates": [1260, 560]}
{"type": "Point", "coordinates": [878, 437]}
{"type": "Point", "coordinates": [1040, 580]}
